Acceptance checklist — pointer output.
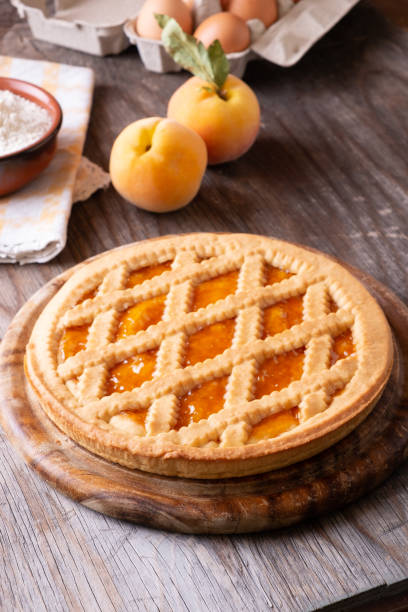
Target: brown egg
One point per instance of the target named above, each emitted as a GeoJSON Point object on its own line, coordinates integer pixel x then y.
{"type": "Point", "coordinates": [232, 32]}
{"type": "Point", "coordinates": [146, 24]}
{"type": "Point", "coordinates": [265, 10]}
{"type": "Point", "coordinates": [190, 4]}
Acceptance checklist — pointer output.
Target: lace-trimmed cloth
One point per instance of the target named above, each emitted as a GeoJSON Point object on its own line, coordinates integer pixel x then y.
{"type": "Point", "coordinates": [33, 221]}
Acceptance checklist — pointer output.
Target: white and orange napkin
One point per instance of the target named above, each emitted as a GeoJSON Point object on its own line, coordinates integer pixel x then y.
{"type": "Point", "coordinates": [33, 221]}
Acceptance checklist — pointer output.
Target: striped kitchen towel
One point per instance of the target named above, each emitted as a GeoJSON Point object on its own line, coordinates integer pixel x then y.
{"type": "Point", "coordinates": [34, 220]}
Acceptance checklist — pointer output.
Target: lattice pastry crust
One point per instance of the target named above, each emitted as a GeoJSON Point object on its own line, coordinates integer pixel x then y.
{"type": "Point", "coordinates": [274, 394]}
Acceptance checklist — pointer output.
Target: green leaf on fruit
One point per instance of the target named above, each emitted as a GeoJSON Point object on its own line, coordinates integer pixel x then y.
{"type": "Point", "coordinates": [219, 62]}
{"type": "Point", "coordinates": [210, 64]}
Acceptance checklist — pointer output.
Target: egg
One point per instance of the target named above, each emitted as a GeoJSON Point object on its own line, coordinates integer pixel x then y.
{"type": "Point", "coordinates": [146, 24]}
{"type": "Point", "coordinates": [265, 10]}
{"type": "Point", "coordinates": [190, 4]}
{"type": "Point", "coordinates": [232, 32]}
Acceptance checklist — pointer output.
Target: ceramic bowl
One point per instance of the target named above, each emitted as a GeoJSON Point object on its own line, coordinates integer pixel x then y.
{"type": "Point", "coordinates": [22, 166]}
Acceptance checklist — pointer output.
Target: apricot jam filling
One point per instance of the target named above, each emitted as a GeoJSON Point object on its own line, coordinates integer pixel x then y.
{"type": "Point", "coordinates": [214, 289]}
{"type": "Point", "coordinates": [139, 276]}
{"type": "Point", "coordinates": [275, 275]}
{"type": "Point", "coordinates": [275, 424]}
{"type": "Point", "coordinates": [342, 347]}
{"type": "Point", "coordinates": [88, 296]}
{"type": "Point", "coordinates": [202, 401]}
{"type": "Point", "coordinates": [199, 403]}
{"type": "Point", "coordinates": [131, 321]}
{"type": "Point", "coordinates": [140, 316]}
{"type": "Point", "coordinates": [72, 341]}
{"type": "Point", "coordinates": [278, 372]}
{"type": "Point", "coordinates": [134, 371]}
{"type": "Point", "coordinates": [332, 306]}
{"type": "Point", "coordinates": [209, 342]}
{"type": "Point", "coordinates": [131, 373]}
{"type": "Point", "coordinates": [282, 316]}
{"type": "Point", "coordinates": [138, 417]}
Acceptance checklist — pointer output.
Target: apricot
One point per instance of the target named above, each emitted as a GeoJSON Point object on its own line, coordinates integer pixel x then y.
{"type": "Point", "coordinates": [227, 121]}
{"type": "Point", "coordinates": [158, 164]}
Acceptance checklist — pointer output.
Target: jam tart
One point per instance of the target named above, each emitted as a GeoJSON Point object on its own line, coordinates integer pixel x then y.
{"type": "Point", "coordinates": [209, 356]}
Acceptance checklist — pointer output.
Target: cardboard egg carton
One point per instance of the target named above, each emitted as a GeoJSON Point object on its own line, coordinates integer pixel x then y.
{"type": "Point", "coordinates": [284, 43]}
{"type": "Point", "coordinates": [92, 26]}
{"type": "Point", "coordinates": [104, 27]}
{"type": "Point", "coordinates": [155, 57]}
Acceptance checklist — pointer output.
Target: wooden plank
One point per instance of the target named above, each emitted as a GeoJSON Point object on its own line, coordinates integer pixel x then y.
{"type": "Point", "coordinates": [329, 170]}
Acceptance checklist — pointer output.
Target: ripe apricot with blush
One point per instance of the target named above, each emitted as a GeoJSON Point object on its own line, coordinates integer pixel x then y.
{"type": "Point", "coordinates": [227, 121]}
{"type": "Point", "coordinates": [158, 164]}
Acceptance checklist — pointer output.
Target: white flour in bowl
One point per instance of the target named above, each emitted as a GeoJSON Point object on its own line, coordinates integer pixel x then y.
{"type": "Point", "coordinates": [22, 122]}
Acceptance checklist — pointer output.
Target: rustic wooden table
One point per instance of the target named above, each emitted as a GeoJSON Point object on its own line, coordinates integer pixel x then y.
{"type": "Point", "coordinates": [328, 170]}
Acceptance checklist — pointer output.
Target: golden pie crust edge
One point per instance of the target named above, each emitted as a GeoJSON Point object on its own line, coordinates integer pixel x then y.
{"type": "Point", "coordinates": [200, 462]}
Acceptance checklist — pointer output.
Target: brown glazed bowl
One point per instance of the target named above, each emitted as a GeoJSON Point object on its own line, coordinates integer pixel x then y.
{"type": "Point", "coordinates": [22, 166]}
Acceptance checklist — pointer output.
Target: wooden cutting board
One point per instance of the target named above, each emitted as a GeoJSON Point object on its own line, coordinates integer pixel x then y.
{"type": "Point", "coordinates": [323, 483]}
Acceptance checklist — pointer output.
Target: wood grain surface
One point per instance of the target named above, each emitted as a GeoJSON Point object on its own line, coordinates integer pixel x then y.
{"type": "Point", "coordinates": [262, 502]}
{"type": "Point", "coordinates": [329, 170]}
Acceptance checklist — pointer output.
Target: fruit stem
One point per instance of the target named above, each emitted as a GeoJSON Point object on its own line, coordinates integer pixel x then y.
{"type": "Point", "coordinates": [221, 93]}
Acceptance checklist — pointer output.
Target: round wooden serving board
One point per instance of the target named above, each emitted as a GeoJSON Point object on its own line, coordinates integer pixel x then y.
{"type": "Point", "coordinates": [325, 482]}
